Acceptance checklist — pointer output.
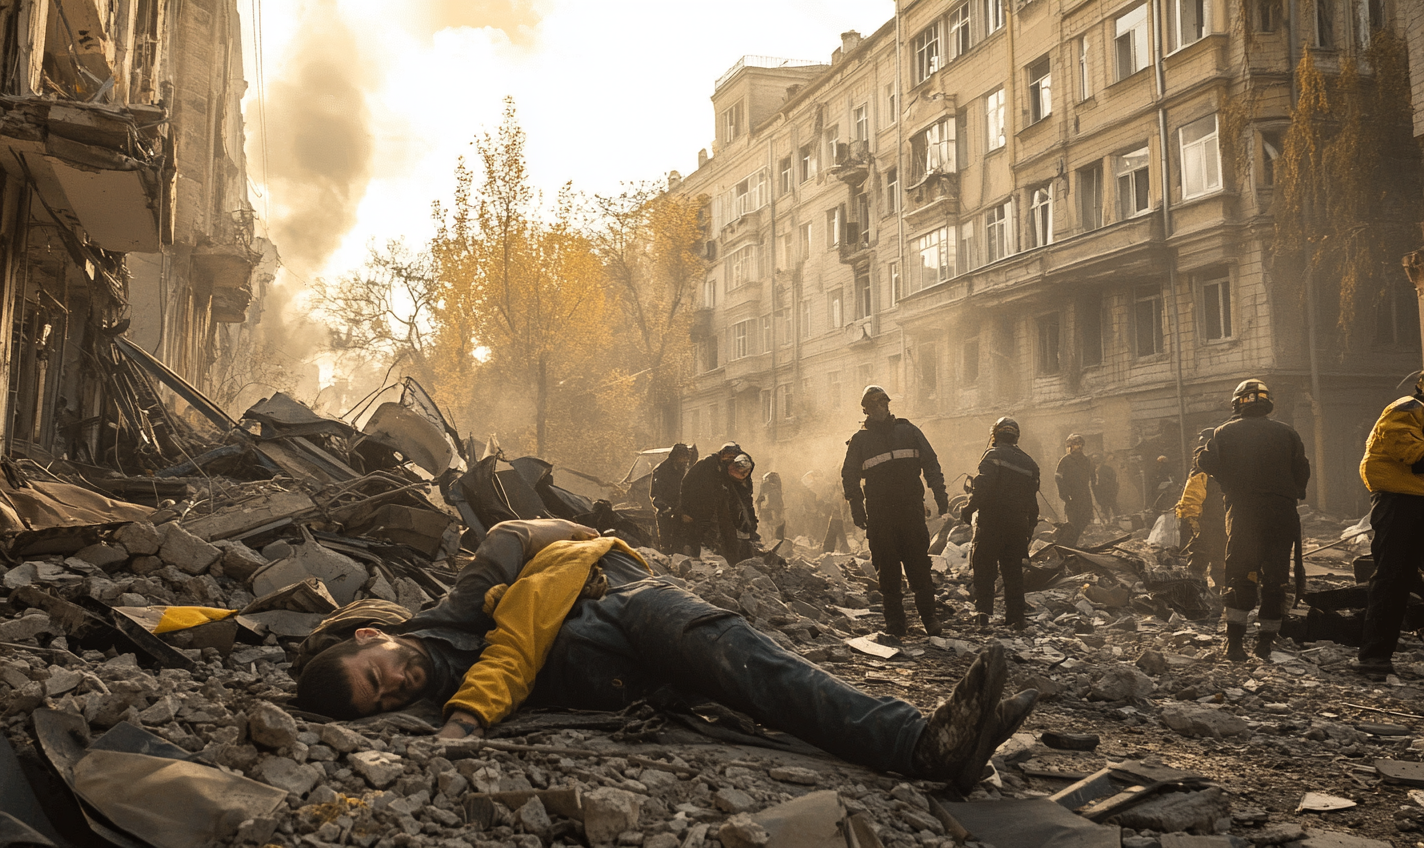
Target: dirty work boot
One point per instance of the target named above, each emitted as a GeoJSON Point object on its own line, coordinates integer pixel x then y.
{"type": "Point", "coordinates": [981, 619]}
{"type": "Point", "coordinates": [1008, 717]}
{"type": "Point", "coordinates": [1373, 668]}
{"type": "Point", "coordinates": [1265, 637]}
{"type": "Point", "coordinates": [952, 736]}
{"type": "Point", "coordinates": [895, 619]}
{"type": "Point", "coordinates": [1235, 633]}
{"type": "Point", "coordinates": [931, 622]}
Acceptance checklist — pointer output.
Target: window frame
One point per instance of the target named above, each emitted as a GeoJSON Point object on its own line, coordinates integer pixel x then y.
{"type": "Point", "coordinates": [1216, 308]}
{"type": "Point", "coordinates": [741, 340]}
{"type": "Point", "coordinates": [926, 59]}
{"type": "Point", "coordinates": [1135, 39]}
{"type": "Point", "coordinates": [835, 308]}
{"type": "Point", "coordinates": [932, 150]}
{"type": "Point", "coordinates": [787, 174]}
{"type": "Point", "coordinates": [1090, 217]}
{"type": "Point", "coordinates": [995, 117]}
{"type": "Point", "coordinates": [993, 16]}
{"type": "Point", "coordinates": [998, 232]}
{"type": "Point", "coordinates": [1203, 151]}
{"type": "Point", "coordinates": [860, 123]}
{"type": "Point", "coordinates": [960, 23]}
{"type": "Point", "coordinates": [806, 160]}
{"type": "Point", "coordinates": [1040, 89]}
{"type": "Point", "coordinates": [1152, 298]}
{"type": "Point", "coordinates": [1040, 215]}
{"type": "Point", "coordinates": [924, 275]}
{"type": "Point", "coordinates": [969, 376]}
{"type": "Point", "coordinates": [743, 266]}
{"type": "Point", "coordinates": [1177, 24]}
{"type": "Point", "coordinates": [1048, 343]}
{"type": "Point", "coordinates": [892, 190]}
{"type": "Point", "coordinates": [860, 284]}
{"type": "Point", "coordinates": [730, 122]}
{"type": "Point", "coordinates": [1121, 174]}
{"type": "Point", "coordinates": [1085, 79]}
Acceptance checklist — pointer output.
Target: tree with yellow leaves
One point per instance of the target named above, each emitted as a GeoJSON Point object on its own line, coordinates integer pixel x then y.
{"type": "Point", "coordinates": [521, 301]}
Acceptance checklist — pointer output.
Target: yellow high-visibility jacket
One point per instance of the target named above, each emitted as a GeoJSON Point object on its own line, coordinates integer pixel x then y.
{"type": "Point", "coordinates": [528, 614]}
{"type": "Point", "coordinates": [1396, 443]}
{"type": "Point", "coordinates": [1193, 495]}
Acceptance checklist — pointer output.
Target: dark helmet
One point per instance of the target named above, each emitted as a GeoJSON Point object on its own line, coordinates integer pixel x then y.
{"type": "Point", "coordinates": [730, 450]}
{"type": "Point", "coordinates": [1251, 394]}
{"type": "Point", "coordinates": [873, 391]}
{"type": "Point", "coordinates": [1075, 439]}
{"type": "Point", "coordinates": [680, 451]}
{"type": "Point", "coordinates": [741, 467]}
{"type": "Point", "coordinates": [1005, 427]}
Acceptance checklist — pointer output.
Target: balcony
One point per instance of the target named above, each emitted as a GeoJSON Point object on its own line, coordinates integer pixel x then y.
{"type": "Point", "coordinates": [852, 162]}
{"type": "Point", "coordinates": [935, 196]}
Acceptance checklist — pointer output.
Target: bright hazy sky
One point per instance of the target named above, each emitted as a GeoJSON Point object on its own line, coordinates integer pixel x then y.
{"type": "Point", "coordinates": [606, 91]}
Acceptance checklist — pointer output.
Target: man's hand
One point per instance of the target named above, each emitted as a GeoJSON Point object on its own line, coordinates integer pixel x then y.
{"type": "Point", "coordinates": [857, 514]}
{"type": "Point", "coordinates": [1193, 524]}
{"type": "Point", "coordinates": [461, 725]}
{"type": "Point", "coordinates": [943, 504]}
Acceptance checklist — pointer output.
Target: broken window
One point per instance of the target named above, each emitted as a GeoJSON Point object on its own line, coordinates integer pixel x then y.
{"type": "Point", "coordinates": [925, 48]}
{"type": "Point", "coordinates": [932, 259]}
{"type": "Point", "coordinates": [1216, 308]}
{"type": "Point", "coordinates": [932, 151]}
{"type": "Point", "coordinates": [1049, 329]}
{"type": "Point", "coordinates": [1130, 42]}
{"type": "Point", "coordinates": [994, 118]}
{"type": "Point", "coordinates": [1040, 90]}
{"type": "Point", "coordinates": [969, 362]}
{"type": "Point", "coordinates": [927, 362]}
{"type": "Point", "coordinates": [1090, 196]}
{"type": "Point", "coordinates": [1132, 183]}
{"type": "Point", "coordinates": [1040, 216]}
{"type": "Point", "coordinates": [1147, 320]}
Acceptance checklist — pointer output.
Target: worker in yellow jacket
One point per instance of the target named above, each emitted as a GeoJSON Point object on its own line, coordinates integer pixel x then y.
{"type": "Point", "coordinates": [1203, 510]}
{"type": "Point", "coordinates": [1393, 471]}
{"type": "Point", "coordinates": [551, 614]}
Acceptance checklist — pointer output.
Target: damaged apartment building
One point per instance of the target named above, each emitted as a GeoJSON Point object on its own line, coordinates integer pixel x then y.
{"type": "Point", "coordinates": [124, 219]}
{"type": "Point", "coordinates": [1028, 208]}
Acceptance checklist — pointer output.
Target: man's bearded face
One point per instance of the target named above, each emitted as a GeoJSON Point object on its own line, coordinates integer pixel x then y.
{"type": "Point", "coordinates": [388, 673]}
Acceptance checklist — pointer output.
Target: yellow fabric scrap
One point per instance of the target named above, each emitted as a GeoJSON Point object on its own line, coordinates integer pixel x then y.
{"type": "Point", "coordinates": [182, 618]}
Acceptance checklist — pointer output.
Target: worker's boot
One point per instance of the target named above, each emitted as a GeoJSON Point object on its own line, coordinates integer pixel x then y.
{"type": "Point", "coordinates": [1265, 637]}
{"type": "Point", "coordinates": [895, 619]}
{"type": "Point", "coordinates": [925, 604]}
{"type": "Point", "coordinates": [953, 735]}
{"type": "Point", "coordinates": [1235, 635]}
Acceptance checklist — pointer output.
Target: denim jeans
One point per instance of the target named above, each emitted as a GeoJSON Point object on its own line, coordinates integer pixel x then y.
{"type": "Point", "coordinates": [649, 635]}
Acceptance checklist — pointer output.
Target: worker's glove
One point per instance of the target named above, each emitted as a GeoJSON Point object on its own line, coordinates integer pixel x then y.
{"type": "Point", "coordinates": [943, 504]}
{"type": "Point", "coordinates": [857, 514]}
{"type": "Point", "coordinates": [1193, 524]}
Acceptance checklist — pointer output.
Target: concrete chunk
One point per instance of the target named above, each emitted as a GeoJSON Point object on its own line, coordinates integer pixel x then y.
{"type": "Point", "coordinates": [270, 725]}
{"type": "Point", "coordinates": [341, 575]}
{"type": "Point", "coordinates": [289, 775]}
{"type": "Point", "coordinates": [185, 551]}
{"type": "Point", "coordinates": [608, 812]}
{"type": "Point", "coordinates": [378, 767]}
{"type": "Point", "coordinates": [139, 538]}
{"type": "Point", "coordinates": [1199, 720]}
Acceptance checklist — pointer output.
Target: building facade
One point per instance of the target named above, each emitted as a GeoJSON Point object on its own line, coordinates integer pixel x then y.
{"type": "Point", "coordinates": [1056, 209]}
{"type": "Point", "coordinates": [123, 209]}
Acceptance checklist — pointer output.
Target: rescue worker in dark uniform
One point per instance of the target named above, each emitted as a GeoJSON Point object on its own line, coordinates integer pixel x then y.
{"type": "Point", "coordinates": [736, 518]}
{"type": "Point", "coordinates": [771, 505]}
{"type": "Point", "coordinates": [1003, 509]}
{"type": "Point", "coordinates": [1261, 466]}
{"type": "Point", "coordinates": [664, 490]}
{"type": "Point", "coordinates": [890, 454]}
{"type": "Point", "coordinates": [701, 494]}
{"type": "Point", "coordinates": [1393, 471]}
{"type": "Point", "coordinates": [1075, 488]}
{"type": "Point", "coordinates": [1203, 510]}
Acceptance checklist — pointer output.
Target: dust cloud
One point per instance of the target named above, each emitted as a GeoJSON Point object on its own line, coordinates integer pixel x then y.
{"type": "Point", "coordinates": [517, 19]}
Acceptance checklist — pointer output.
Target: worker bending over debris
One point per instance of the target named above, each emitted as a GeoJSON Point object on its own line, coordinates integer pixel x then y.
{"type": "Point", "coordinates": [1203, 510]}
{"type": "Point", "coordinates": [551, 614]}
{"type": "Point", "coordinates": [1261, 466]}
{"type": "Point", "coordinates": [890, 454]}
{"type": "Point", "coordinates": [1004, 511]}
{"type": "Point", "coordinates": [1393, 471]}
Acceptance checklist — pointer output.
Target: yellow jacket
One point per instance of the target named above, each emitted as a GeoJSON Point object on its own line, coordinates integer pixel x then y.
{"type": "Point", "coordinates": [1193, 495]}
{"type": "Point", "coordinates": [528, 615]}
{"type": "Point", "coordinates": [1396, 443]}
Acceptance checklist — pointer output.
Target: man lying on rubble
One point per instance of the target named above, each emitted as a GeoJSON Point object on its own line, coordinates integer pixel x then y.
{"type": "Point", "coordinates": [551, 614]}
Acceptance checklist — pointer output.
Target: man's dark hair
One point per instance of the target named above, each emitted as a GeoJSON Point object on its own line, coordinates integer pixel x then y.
{"type": "Point", "coordinates": [325, 686]}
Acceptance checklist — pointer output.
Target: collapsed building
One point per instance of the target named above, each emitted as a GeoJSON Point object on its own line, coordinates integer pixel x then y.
{"type": "Point", "coordinates": [125, 207]}
{"type": "Point", "coordinates": [1059, 211]}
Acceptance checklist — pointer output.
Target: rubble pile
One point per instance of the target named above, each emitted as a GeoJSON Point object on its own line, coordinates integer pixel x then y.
{"type": "Point", "coordinates": [146, 641]}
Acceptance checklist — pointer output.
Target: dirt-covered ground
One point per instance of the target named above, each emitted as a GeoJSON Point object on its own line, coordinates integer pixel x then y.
{"type": "Point", "coordinates": [1261, 734]}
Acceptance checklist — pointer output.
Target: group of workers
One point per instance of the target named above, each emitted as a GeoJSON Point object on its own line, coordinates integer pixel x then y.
{"type": "Point", "coordinates": [551, 613]}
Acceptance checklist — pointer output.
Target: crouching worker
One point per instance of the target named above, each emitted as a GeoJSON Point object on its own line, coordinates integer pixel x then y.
{"type": "Point", "coordinates": [551, 614]}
